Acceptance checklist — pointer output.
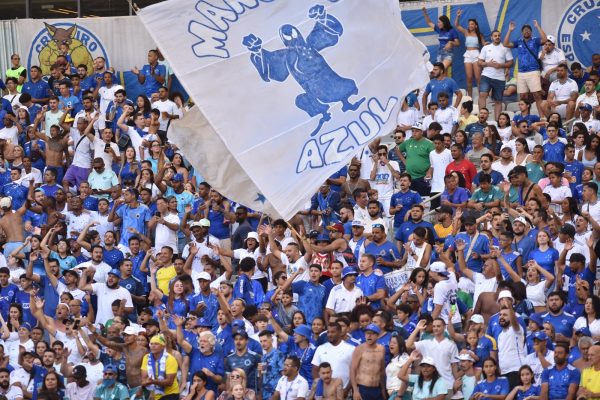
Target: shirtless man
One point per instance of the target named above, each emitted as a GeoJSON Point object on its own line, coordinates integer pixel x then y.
{"type": "Point", "coordinates": [367, 374]}
{"type": "Point", "coordinates": [133, 352]}
{"type": "Point", "coordinates": [354, 182]}
{"type": "Point", "coordinates": [11, 223]}
{"type": "Point", "coordinates": [326, 386]}
{"type": "Point", "coordinates": [56, 144]}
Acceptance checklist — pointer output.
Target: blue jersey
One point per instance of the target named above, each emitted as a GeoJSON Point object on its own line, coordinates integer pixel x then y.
{"type": "Point", "coordinates": [37, 90]}
{"type": "Point", "coordinates": [7, 297]}
{"type": "Point", "coordinates": [481, 246]}
{"type": "Point", "coordinates": [386, 250]}
{"type": "Point", "coordinates": [23, 299]}
{"type": "Point", "coordinates": [554, 152]}
{"type": "Point", "coordinates": [576, 169]}
{"type": "Point", "coordinates": [498, 386]}
{"type": "Point", "coordinates": [211, 306]}
{"type": "Point", "coordinates": [563, 322]}
{"type": "Point", "coordinates": [113, 257]}
{"type": "Point", "coordinates": [336, 175]}
{"type": "Point", "coordinates": [559, 380]}
{"type": "Point", "coordinates": [530, 118]}
{"type": "Point", "coordinates": [446, 85]}
{"type": "Point", "coordinates": [273, 361]}
{"type": "Point", "coordinates": [151, 85]}
{"type": "Point", "coordinates": [133, 217]}
{"type": "Point", "coordinates": [18, 193]}
{"type": "Point", "coordinates": [524, 247]}
{"type": "Point", "coordinates": [534, 390]}
{"type": "Point", "coordinates": [248, 289]}
{"type": "Point", "coordinates": [406, 200]}
{"type": "Point", "coordinates": [585, 274]}
{"type": "Point", "coordinates": [445, 36]}
{"type": "Point", "coordinates": [214, 362]}
{"type": "Point", "coordinates": [248, 362]}
{"type": "Point", "coordinates": [546, 259]}
{"type": "Point", "coordinates": [497, 177]}
{"type": "Point", "coordinates": [311, 299]}
{"type": "Point", "coordinates": [485, 345]}
{"type": "Point", "coordinates": [370, 284]}
{"type": "Point", "coordinates": [527, 52]}
{"type": "Point", "coordinates": [408, 227]}
{"type": "Point", "coordinates": [304, 355]}
{"type": "Point", "coordinates": [511, 259]}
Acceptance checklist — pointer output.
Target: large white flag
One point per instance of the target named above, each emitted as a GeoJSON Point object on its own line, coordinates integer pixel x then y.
{"type": "Point", "coordinates": [287, 90]}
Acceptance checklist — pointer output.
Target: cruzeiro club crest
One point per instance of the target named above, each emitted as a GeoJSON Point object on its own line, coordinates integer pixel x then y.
{"type": "Point", "coordinates": [301, 58]}
{"type": "Point", "coordinates": [82, 44]}
{"type": "Point", "coordinates": [577, 30]}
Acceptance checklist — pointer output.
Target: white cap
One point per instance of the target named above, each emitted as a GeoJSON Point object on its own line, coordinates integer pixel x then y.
{"type": "Point", "coordinates": [505, 146]}
{"type": "Point", "coordinates": [417, 125]}
{"type": "Point", "coordinates": [358, 222]}
{"type": "Point", "coordinates": [505, 294]}
{"type": "Point", "coordinates": [252, 235]}
{"type": "Point", "coordinates": [130, 330]}
{"type": "Point", "coordinates": [551, 38]}
{"type": "Point", "coordinates": [6, 202]}
{"type": "Point", "coordinates": [521, 220]}
{"type": "Point", "coordinates": [204, 275]}
{"type": "Point", "coordinates": [428, 360]}
{"type": "Point", "coordinates": [477, 318]}
{"type": "Point", "coordinates": [438, 267]}
{"type": "Point", "coordinates": [465, 357]}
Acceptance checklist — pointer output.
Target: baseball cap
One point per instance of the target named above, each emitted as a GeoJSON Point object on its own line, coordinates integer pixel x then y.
{"type": "Point", "coordinates": [438, 267]}
{"type": "Point", "coordinates": [505, 146]}
{"type": "Point", "coordinates": [586, 106]}
{"type": "Point", "coordinates": [519, 169]}
{"type": "Point", "coordinates": [240, 332]}
{"type": "Point", "coordinates": [464, 357]}
{"type": "Point", "coordinates": [205, 222]}
{"type": "Point", "coordinates": [373, 328]}
{"type": "Point", "coordinates": [238, 324]}
{"type": "Point", "coordinates": [5, 202]}
{"type": "Point", "coordinates": [428, 361]}
{"type": "Point", "coordinates": [568, 229]}
{"type": "Point", "coordinates": [585, 331]}
{"type": "Point", "coordinates": [158, 339]}
{"type": "Point", "coordinates": [130, 330]}
{"type": "Point", "coordinates": [177, 178]}
{"type": "Point", "coordinates": [79, 371]}
{"type": "Point", "coordinates": [110, 368]}
{"type": "Point", "coordinates": [540, 335]}
{"type": "Point", "coordinates": [204, 276]}
{"type": "Point", "coordinates": [323, 237]}
{"type": "Point", "coordinates": [537, 318]}
{"type": "Point", "coordinates": [521, 220]}
{"type": "Point", "coordinates": [469, 220]}
{"type": "Point", "coordinates": [303, 330]}
{"type": "Point", "coordinates": [358, 222]}
{"type": "Point", "coordinates": [313, 234]}
{"type": "Point", "coordinates": [477, 318]}
{"type": "Point", "coordinates": [505, 294]}
{"type": "Point", "coordinates": [115, 272]}
{"type": "Point", "coordinates": [417, 125]}
{"type": "Point", "coordinates": [71, 272]}
{"type": "Point", "coordinates": [336, 228]}
{"type": "Point", "coordinates": [551, 39]}
{"type": "Point", "coordinates": [348, 271]}
{"type": "Point", "coordinates": [151, 322]}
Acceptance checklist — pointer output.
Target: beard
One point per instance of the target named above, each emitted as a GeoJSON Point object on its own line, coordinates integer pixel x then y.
{"type": "Point", "coordinates": [4, 384]}
{"type": "Point", "coordinates": [112, 285]}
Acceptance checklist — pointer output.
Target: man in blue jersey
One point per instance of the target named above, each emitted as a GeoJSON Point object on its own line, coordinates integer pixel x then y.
{"type": "Point", "coordinates": [371, 284]}
{"type": "Point", "coordinates": [554, 148]}
{"type": "Point", "coordinates": [244, 358]}
{"type": "Point", "coordinates": [477, 248]}
{"type": "Point", "coordinates": [36, 87]}
{"type": "Point", "coordinates": [403, 200]}
{"type": "Point", "coordinates": [386, 255]}
{"type": "Point", "coordinates": [562, 380]}
{"type": "Point", "coordinates": [563, 322]}
{"type": "Point", "coordinates": [407, 228]}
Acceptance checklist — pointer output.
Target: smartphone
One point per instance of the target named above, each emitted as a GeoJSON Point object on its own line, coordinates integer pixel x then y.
{"type": "Point", "coordinates": [106, 147]}
{"type": "Point", "coordinates": [76, 325]}
{"type": "Point", "coordinates": [157, 214]}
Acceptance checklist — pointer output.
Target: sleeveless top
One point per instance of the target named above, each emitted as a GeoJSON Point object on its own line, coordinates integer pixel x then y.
{"type": "Point", "coordinates": [588, 163]}
{"type": "Point", "coordinates": [471, 41]}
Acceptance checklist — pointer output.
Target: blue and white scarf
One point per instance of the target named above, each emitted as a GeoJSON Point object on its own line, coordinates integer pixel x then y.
{"type": "Point", "coordinates": [162, 368]}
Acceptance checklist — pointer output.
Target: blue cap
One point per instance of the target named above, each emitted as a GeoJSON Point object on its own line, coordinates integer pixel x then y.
{"type": "Point", "coordinates": [586, 106]}
{"type": "Point", "coordinates": [537, 318]}
{"type": "Point", "coordinates": [323, 237]}
{"type": "Point", "coordinates": [27, 326]}
{"type": "Point", "coordinates": [585, 331]}
{"type": "Point", "coordinates": [238, 324]}
{"type": "Point", "coordinates": [115, 272]}
{"type": "Point", "coordinates": [540, 335]}
{"type": "Point", "coordinates": [177, 178]}
{"type": "Point", "coordinates": [373, 328]}
{"type": "Point", "coordinates": [348, 271]}
{"type": "Point", "coordinates": [411, 99]}
{"type": "Point", "coordinates": [303, 330]}
{"type": "Point", "coordinates": [110, 368]}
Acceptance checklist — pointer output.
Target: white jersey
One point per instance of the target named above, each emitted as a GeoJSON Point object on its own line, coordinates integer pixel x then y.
{"type": "Point", "coordinates": [497, 53]}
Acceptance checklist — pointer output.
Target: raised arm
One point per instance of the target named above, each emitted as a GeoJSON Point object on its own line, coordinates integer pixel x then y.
{"type": "Point", "coordinates": [507, 43]}
{"type": "Point", "coordinates": [427, 19]}
{"type": "Point", "coordinates": [457, 23]}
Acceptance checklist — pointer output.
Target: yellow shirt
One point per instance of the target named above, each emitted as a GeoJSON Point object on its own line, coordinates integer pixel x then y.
{"type": "Point", "coordinates": [171, 368]}
{"type": "Point", "coordinates": [163, 278]}
{"type": "Point", "coordinates": [463, 122]}
{"type": "Point", "coordinates": [441, 231]}
{"type": "Point", "coordinates": [590, 380]}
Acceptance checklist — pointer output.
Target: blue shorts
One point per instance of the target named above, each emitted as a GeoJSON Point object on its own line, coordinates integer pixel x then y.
{"type": "Point", "coordinates": [444, 55]}
{"type": "Point", "coordinates": [370, 393]}
{"type": "Point", "coordinates": [495, 85]}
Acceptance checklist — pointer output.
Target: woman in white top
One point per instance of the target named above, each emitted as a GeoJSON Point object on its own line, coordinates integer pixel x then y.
{"type": "Point", "coordinates": [590, 317]}
{"type": "Point", "coordinates": [535, 286]}
{"type": "Point", "coordinates": [473, 42]}
{"type": "Point", "coordinates": [522, 155]}
{"type": "Point", "coordinates": [418, 250]}
{"type": "Point", "coordinates": [249, 249]}
{"type": "Point", "coordinates": [399, 357]}
{"type": "Point", "coordinates": [504, 127]}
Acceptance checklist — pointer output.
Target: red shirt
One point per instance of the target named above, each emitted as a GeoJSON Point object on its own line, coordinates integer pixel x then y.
{"type": "Point", "coordinates": [466, 168]}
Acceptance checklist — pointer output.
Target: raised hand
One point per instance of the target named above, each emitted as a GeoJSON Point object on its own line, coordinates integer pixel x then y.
{"type": "Point", "coordinates": [135, 70]}
{"type": "Point", "coordinates": [512, 26]}
{"type": "Point", "coordinates": [460, 245]}
{"type": "Point", "coordinates": [252, 43]}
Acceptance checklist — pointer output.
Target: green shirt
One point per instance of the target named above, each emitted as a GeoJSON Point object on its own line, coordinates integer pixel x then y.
{"type": "Point", "coordinates": [16, 73]}
{"type": "Point", "coordinates": [118, 391]}
{"type": "Point", "coordinates": [487, 197]}
{"type": "Point", "coordinates": [417, 156]}
{"type": "Point", "coordinates": [535, 172]}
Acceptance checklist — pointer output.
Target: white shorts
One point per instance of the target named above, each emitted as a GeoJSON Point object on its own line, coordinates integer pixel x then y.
{"type": "Point", "coordinates": [471, 56]}
{"type": "Point", "coordinates": [561, 109]}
